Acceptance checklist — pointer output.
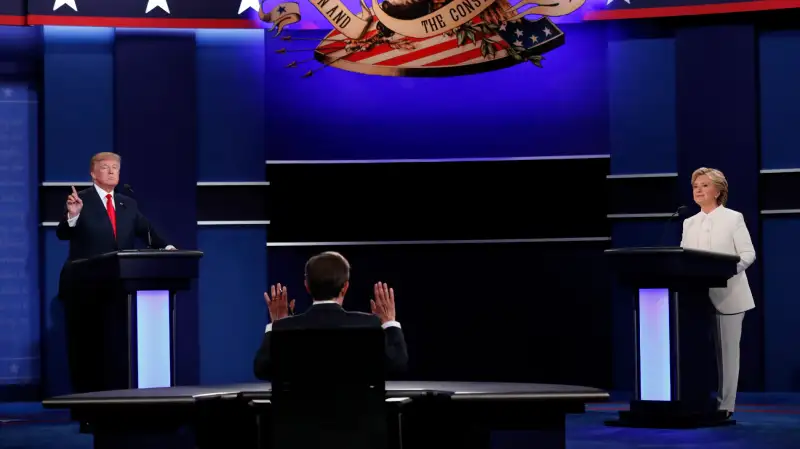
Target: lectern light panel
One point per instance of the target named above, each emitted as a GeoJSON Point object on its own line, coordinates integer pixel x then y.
{"type": "Point", "coordinates": [654, 346]}
{"type": "Point", "coordinates": [154, 367]}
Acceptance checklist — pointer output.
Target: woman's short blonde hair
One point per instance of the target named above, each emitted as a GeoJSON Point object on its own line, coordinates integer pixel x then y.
{"type": "Point", "coordinates": [717, 178]}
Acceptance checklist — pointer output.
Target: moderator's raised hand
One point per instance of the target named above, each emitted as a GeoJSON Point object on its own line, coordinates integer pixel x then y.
{"type": "Point", "coordinates": [277, 302]}
{"type": "Point", "coordinates": [74, 204]}
{"type": "Point", "coordinates": [383, 303]}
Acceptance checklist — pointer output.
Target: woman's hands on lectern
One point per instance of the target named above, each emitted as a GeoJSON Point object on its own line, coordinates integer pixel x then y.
{"type": "Point", "coordinates": [277, 302]}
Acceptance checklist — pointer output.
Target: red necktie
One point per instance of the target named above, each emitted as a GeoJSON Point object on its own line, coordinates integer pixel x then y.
{"type": "Point", "coordinates": [112, 214]}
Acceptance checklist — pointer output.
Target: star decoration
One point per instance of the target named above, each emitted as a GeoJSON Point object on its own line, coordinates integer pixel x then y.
{"type": "Point", "coordinates": [251, 4]}
{"type": "Point", "coordinates": [281, 10]}
{"type": "Point", "coordinates": [153, 4]}
{"type": "Point", "coordinates": [547, 32]}
{"type": "Point", "coordinates": [59, 3]}
{"type": "Point", "coordinates": [518, 32]}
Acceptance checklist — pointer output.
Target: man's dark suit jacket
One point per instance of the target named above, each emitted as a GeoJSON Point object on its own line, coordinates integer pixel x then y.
{"type": "Point", "coordinates": [93, 235]}
{"type": "Point", "coordinates": [327, 316]}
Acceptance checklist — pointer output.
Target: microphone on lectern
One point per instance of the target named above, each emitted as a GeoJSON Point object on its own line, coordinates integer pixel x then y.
{"type": "Point", "coordinates": [128, 188]}
{"type": "Point", "coordinates": [680, 211]}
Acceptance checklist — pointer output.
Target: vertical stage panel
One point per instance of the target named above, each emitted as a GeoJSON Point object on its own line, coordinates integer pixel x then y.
{"type": "Point", "coordinates": [19, 243]}
{"type": "Point", "coordinates": [230, 105]}
{"type": "Point", "coordinates": [78, 111]}
{"type": "Point", "coordinates": [155, 130]}
{"type": "Point", "coordinates": [641, 77]}
{"type": "Point", "coordinates": [654, 345]}
{"type": "Point", "coordinates": [153, 339]}
{"type": "Point", "coordinates": [78, 99]}
{"type": "Point", "coordinates": [230, 148]}
{"type": "Point", "coordinates": [717, 108]}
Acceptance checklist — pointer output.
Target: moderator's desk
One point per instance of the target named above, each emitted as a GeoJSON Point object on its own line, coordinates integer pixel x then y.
{"type": "Point", "coordinates": [461, 414]}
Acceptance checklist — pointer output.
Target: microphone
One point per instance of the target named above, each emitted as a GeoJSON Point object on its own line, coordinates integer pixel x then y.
{"type": "Point", "coordinates": [681, 210]}
{"type": "Point", "coordinates": [149, 239]}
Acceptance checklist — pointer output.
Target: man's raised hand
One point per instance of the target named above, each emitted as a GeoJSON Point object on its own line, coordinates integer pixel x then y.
{"type": "Point", "coordinates": [383, 303]}
{"type": "Point", "coordinates": [277, 302]}
{"type": "Point", "coordinates": [74, 204]}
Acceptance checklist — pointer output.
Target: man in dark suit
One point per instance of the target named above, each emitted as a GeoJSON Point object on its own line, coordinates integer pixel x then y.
{"type": "Point", "coordinates": [96, 221]}
{"type": "Point", "coordinates": [327, 278]}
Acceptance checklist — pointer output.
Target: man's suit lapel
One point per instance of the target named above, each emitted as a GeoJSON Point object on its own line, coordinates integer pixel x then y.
{"type": "Point", "coordinates": [123, 216]}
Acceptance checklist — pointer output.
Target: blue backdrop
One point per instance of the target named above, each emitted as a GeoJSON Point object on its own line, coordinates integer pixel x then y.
{"type": "Point", "coordinates": [174, 104]}
{"type": "Point", "coordinates": [221, 102]}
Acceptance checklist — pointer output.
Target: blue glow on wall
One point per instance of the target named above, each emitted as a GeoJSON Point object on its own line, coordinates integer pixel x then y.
{"type": "Point", "coordinates": [520, 111]}
{"type": "Point", "coordinates": [654, 346]}
{"type": "Point", "coordinates": [153, 339]}
{"type": "Point", "coordinates": [19, 248]}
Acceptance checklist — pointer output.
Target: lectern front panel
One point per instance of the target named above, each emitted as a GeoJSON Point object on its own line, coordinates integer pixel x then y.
{"type": "Point", "coordinates": [153, 339]}
{"type": "Point", "coordinates": [654, 345]}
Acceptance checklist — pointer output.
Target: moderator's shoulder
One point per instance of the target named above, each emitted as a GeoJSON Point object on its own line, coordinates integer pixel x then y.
{"type": "Point", "coordinates": [362, 316]}
{"type": "Point", "coordinates": [290, 322]}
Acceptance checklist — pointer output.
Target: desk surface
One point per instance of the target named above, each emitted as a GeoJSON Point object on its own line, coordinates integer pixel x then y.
{"type": "Point", "coordinates": [458, 390]}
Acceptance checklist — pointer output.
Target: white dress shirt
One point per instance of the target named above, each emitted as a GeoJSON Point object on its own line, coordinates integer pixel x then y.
{"type": "Point", "coordinates": [385, 325]}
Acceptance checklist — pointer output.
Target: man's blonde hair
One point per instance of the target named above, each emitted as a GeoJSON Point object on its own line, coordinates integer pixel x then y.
{"type": "Point", "coordinates": [717, 178]}
{"type": "Point", "coordinates": [104, 156]}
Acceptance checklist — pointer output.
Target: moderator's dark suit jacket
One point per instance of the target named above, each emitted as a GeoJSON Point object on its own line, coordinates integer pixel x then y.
{"type": "Point", "coordinates": [333, 316]}
{"type": "Point", "coordinates": [93, 235]}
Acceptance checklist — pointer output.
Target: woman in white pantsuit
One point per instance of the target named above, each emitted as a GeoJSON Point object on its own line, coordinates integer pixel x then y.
{"type": "Point", "coordinates": [717, 228]}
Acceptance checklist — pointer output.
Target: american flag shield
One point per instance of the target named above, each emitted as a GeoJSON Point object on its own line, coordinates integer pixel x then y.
{"type": "Point", "coordinates": [475, 47]}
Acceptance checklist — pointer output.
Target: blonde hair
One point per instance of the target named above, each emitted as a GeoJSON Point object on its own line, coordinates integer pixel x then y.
{"type": "Point", "coordinates": [717, 178]}
{"type": "Point", "coordinates": [104, 156]}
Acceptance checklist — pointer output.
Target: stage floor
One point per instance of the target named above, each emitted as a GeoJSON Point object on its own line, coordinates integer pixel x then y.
{"type": "Point", "coordinates": [766, 421]}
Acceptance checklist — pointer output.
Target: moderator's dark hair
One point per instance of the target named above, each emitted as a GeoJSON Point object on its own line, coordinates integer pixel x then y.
{"type": "Point", "coordinates": [326, 275]}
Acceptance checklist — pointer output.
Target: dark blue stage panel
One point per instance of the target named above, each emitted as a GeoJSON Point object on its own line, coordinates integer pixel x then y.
{"type": "Point", "coordinates": [781, 357]}
{"type": "Point", "coordinates": [780, 99]}
{"type": "Point", "coordinates": [12, 12]}
{"type": "Point", "coordinates": [640, 9]}
{"type": "Point", "coordinates": [78, 99]}
{"type": "Point", "coordinates": [232, 312]}
{"type": "Point", "coordinates": [145, 13]}
{"type": "Point", "coordinates": [230, 105]}
{"type": "Point", "coordinates": [642, 142]}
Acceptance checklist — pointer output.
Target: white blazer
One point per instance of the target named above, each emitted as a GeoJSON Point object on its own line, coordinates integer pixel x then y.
{"type": "Point", "coordinates": [724, 231]}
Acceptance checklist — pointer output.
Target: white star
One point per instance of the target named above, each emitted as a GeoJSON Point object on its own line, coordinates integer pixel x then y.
{"type": "Point", "coordinates": [517, 43]}
{"type": "Point", "coordinates": [518, 33]}
{"type": "Point", "coordinates": [534, 39]}
{"type": "Point", "coordinates": [503, 26]}
{"type": "Point", "coordinates": [153, 4]}
{"type": "Point", "coordinates": [547, 32]}
{"type": "Point", "coordinates": [252, 4]}
{"type": "Point", "coordinates": [59, 3]}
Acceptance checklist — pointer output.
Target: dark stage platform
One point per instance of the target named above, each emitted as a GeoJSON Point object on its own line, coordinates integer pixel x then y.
{"type": "Point", "coordinates": [460, 414]}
